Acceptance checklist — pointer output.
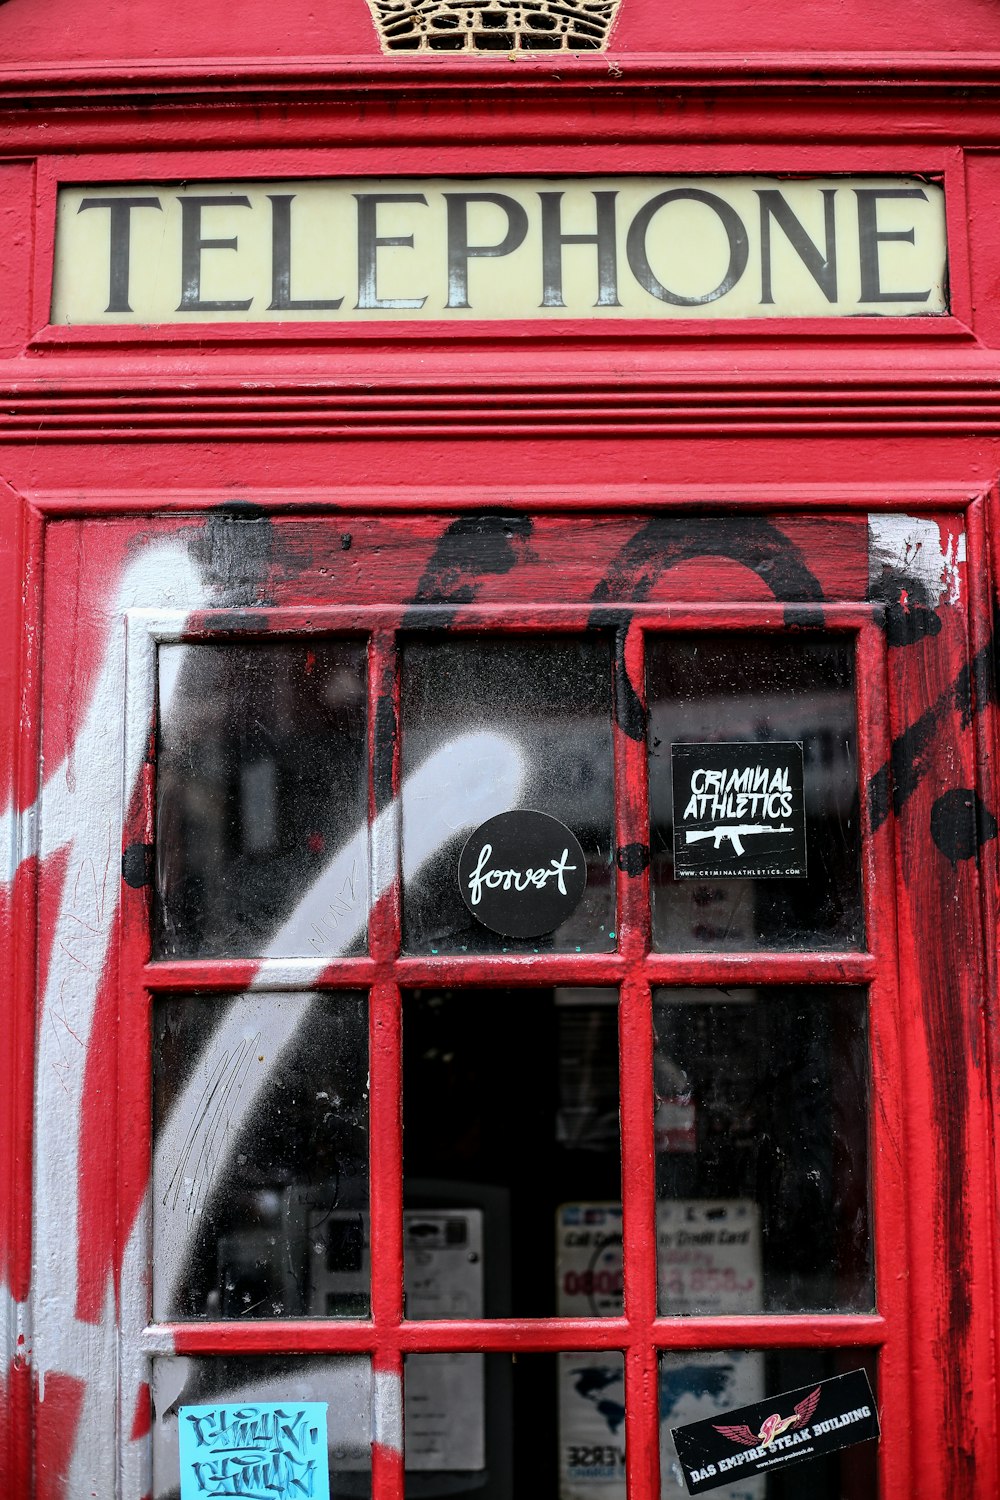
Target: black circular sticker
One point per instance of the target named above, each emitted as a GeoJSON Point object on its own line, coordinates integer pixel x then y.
{"type": "Point", "coordinates": [522, 873]}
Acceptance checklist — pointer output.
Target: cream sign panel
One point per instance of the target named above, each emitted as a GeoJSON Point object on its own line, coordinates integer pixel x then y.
{"type": "Point", "coordinates": [365, 250]}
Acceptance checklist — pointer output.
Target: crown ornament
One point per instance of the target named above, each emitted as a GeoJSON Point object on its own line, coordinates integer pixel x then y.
{"type": "Point", "coordinates": [497, 26]}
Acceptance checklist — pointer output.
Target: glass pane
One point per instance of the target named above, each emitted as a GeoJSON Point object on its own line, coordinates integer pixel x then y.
{"type": "Point", "coordinates": [500, 1426]}
{"type": "Point", "coordinates": [762, 1163]}
{"type": "Point", "coordinates": [260, 1167]}
{"type": "Point", "coordinates": [490, 725]}
{"type": "Point", "coordinates": [262, 795]}
{"type": "Point", "coordinates": [769, 691]}
{"type": "Point", "coordinates": [510, 1114]}
{"type": "Point", "coordinates": [256, 1387]}
{"type": "Point", "coordinates": [696, 1386]}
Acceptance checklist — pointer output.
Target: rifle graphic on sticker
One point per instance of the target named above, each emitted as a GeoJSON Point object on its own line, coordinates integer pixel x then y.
{"type": "Point", "coordinates": [730, 792]}
{"type": "Point", "coordinates": [735, 834]}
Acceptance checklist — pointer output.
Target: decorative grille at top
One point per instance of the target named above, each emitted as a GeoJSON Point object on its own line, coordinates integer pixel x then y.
{"type": "Point", "coordinates": [500, 26]}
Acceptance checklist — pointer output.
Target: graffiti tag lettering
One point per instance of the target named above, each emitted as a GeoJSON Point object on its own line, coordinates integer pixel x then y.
{"type": "Point", "coordinates": [259, 1452]}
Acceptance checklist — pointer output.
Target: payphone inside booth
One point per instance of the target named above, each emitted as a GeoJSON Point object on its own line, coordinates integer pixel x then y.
{"type": "Point", "coordinates": [583, 1069]}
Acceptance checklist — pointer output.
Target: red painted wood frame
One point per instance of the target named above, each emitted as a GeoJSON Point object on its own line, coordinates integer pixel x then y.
{"type": "Point", "coordinates": [942, 163]}
{"type": "Point", "coordinates": [634, 968]}
{"type": "Point", "coordinates": [938, 698]}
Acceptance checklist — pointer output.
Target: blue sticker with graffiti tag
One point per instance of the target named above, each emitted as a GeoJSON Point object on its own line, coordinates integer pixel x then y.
{"type": "Point", "coordinates": [268, 1450]}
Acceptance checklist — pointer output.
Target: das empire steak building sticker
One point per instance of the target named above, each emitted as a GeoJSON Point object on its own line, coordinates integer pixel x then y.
{"type": "Point", "coordinates": [777, 1431]}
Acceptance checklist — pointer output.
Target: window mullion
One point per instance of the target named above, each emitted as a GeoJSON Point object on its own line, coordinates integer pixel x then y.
{"type": "Point", "coordinates": [631, 775]}
{"type": "Point", "coordinates": [642, 1421]}
{"type": "Point", "coordinates": [385, 1052]}
{"type": "Point", "coordinates": [639, 1237]}
{"type": "Point", "coordinates": [384, 920]}
{"type": "Point", "coordinates": [892, 1182]}
{"type": "Point", "coordinates": [636, 1062]}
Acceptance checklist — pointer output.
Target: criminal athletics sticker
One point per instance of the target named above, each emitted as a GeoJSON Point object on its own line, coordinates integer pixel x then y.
{"type": "Point", "coordinates": [776, 1432]}
{"type": "Point", "coordinates": [738, 810]}
{"type": "Point", "coordinates": [522, 873]}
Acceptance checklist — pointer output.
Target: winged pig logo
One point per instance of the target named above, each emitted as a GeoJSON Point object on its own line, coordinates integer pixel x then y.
{"type": "Point", "coordinates": [772, 1426]}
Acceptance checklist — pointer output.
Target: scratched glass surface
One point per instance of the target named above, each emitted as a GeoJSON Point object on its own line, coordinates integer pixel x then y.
{"type": "Point", "coordinates": [758, 689]}
{"type": "Point", "coordinates": [762, 1161]}
{"type": "Point", "coordinates": [260, 1165]}
{"type": "Point", "coordinates": [492, 724]}
{"type": "Point", "coordinates": [501, 1427]}
{"type": "Point", "coordinates": [511, 1153]}
{"type": "Point", "coordinates": [342, 1382]}
{"type": "Point", "coordinates": [695, 1386]}
{"type": "Point", "coordinates": [261, 800]}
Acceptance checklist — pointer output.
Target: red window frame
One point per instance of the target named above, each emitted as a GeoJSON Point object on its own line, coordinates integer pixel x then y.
{"type": "Point", "coordinates": [634, 968]}
{"type": "Point", "coordinates": [474, 158]}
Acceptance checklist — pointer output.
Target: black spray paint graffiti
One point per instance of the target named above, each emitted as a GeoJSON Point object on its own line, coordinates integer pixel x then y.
{"type": "Point", "coordinates": [632, 859]}
{"type": "Point", "coordinates": [909, 615]}
{"type": "Point", "coordinates": [137, 865]}
{"type": "Point", "coordinates": [386, 738]}
{"type": "Point", "coordinates": [910, 754]}
{"type": "Point", "coordinates": [235, 551]}
{"type": "Point", "coordinates": [473, 547]}
{"type": "Point", "coordinates": [961, 824]}
{"type": "Point", "coordinates": [905, 624]}
{"type": "Point", "coordinates": [665, 541]}
{"type": "Point", "coordinates": [630, 710]}
{"type": "Point", "coordinates": [244, 554]}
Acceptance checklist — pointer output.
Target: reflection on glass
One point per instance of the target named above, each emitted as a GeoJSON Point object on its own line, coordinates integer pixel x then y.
{"type": "Point", "coordinates": [260, 1167]}
{"type": "Point", "coordinates": [717, 689]}
{"type": "Point", "coordinates": [500, 1426]}
{"type": "Point", "coordinates": [342, 1383]}
{"type": "Point", "coordinates": [261, 800]}
{"type": "Point", "coordinates": [762, 1164]}
{"type": "Point", "coordinates": [494, 724]}
{"type": "Point", "coordinates": [696, 1386]}
{"type": "Point", "coordinates": [503, 1427]}
{"type": "Point", "coordinates": [511, 1143]}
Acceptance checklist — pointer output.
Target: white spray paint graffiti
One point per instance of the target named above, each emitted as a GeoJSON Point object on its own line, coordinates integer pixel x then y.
{"type": "Point", "coordinates": [460, 785]}
{"type": "Point", "coordinates": [911, 547]}
{"type": "Point", "coordinates": [82, 814]}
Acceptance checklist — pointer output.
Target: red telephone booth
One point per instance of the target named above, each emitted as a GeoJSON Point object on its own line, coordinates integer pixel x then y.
{"type": "Point", "coordinates": [499, 817]}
